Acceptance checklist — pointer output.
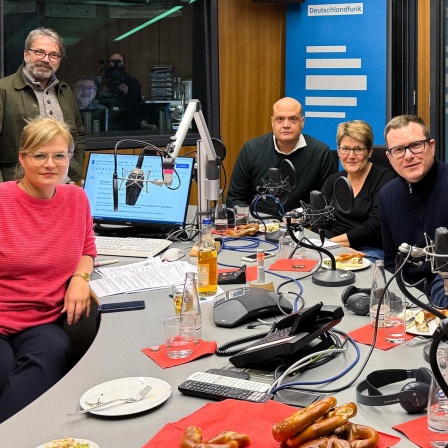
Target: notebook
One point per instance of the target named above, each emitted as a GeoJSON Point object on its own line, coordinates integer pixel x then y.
{"type": "Point", "coordinates": [157, 211]}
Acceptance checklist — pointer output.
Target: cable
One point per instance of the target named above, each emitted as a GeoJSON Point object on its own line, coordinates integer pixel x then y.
{"type": "Point", "coordinates": [253, 243]}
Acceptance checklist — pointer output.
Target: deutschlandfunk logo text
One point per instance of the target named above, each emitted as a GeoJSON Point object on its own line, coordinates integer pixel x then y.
{"type": "Point", "coordinates": [336, 9]}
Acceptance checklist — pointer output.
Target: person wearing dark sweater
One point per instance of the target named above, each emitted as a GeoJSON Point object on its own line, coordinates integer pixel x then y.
{"type": "Point", "coordinates": [310, 157]}
{"type": "Point", "coordinates": [413, 204]}
{"type": "Point", "coordinates": [360, 228]}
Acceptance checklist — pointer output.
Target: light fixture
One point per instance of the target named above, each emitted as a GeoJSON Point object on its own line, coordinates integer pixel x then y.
{"type": "Point", "coordinates": [150, 22]}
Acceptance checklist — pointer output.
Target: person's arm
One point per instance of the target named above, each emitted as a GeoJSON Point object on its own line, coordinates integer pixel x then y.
{"type": "Point", "coordinates": [77, 297]}
{"type": "Point", "coordinates": [131, 90]}
{"type": "Point", "coordinates": [73, 118]}
{"type": "Point", "coordinates": [390, 250]}
{"type": "Point", "coordinates": [327, 166]}
{"type": "Point", "coordinates": [239, 187]}
{"type": "Point", "coordinates": [369, 232]}
{"type": "Point", "coordinates": [438, 296]}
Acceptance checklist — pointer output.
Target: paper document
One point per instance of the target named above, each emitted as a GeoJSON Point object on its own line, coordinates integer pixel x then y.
{"type": "Point", "coordinates": [327, 243]}
{"type": "Point", "coordinates": [145, 275]}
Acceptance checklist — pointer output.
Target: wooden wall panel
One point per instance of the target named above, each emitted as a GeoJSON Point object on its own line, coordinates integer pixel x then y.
{"type": "Point", "coordinates": [424, 60]}
{"type": "Point", "coordinates": [251, 69]}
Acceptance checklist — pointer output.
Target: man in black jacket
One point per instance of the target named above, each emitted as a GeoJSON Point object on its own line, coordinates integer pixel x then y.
{"type": "Point", "coordinates": [310, 157]}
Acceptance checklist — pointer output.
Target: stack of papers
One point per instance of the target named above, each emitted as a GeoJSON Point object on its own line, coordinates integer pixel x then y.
{"type": "Point", "coordinates": [152, 273]}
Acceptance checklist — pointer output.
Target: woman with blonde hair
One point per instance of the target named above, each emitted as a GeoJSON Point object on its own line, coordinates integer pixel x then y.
{"type": "Point", "coordinates": [46, 258]}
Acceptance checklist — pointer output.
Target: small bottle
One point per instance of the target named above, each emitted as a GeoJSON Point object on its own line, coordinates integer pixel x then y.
{"type": "Point", "coordinates": [190, 303]}
{"type": "Point", "coordinates": [437, 410]}
{"type": "Point", "coordinates": [221, 218]}
{"type": "Point", "coordinates": [378, 293]}
{"type": "Point", "coordinates": [286, 244]}
{"type": "Point", "coordinates": [207, 261]}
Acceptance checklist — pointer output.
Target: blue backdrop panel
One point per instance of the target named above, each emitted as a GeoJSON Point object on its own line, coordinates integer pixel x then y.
{"type": "Point", "coordinates": [336, 64]}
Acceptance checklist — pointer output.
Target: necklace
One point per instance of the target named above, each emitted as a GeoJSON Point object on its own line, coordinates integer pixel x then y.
{"type": "Point", "coordinates": [24, 186]}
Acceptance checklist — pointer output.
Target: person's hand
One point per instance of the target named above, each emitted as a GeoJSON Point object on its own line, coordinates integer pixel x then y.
{"type": "Point", "coordinates": [123, 88]}
{"type": "Point", "coordinates": [77, 300]}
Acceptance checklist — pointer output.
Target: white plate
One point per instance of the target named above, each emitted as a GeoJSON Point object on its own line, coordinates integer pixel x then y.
{"type": "Point", "coordinates": [122, 388]}
{"type": "Point", "coordinates": [365, 264]}
{"type": "Point", "coordinates": [91, 444]}
{"type": "Point", "coordinates": [432, 324]}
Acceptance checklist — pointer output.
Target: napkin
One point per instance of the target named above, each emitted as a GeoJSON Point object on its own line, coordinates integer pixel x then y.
{"type": "Point", "coordinates": [158, 355]}
{"type": "Point", "coordinates": [285, 264]}
{"type": "Point", "coordinates": [364, 335]}
{"type": "Point", "coordinates": [254, 419]}
{"type": "Point", "coordinates": [417, 432]}
{"type": "Point", "coordinates": [251, 272]}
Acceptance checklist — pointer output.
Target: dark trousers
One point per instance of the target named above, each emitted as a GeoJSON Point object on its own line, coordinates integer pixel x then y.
{"type": "Point", "coordinates": [30, 363]}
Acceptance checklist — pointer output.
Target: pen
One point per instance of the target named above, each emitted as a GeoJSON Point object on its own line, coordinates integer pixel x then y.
{"type": "Point", "coordinates": [105, 262]}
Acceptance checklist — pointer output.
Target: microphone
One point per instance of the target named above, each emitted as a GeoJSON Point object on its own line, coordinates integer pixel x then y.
{"type": "Point", "coordinates": [134, 185]}
{"type": "Point", "coordinates": [168, 171]}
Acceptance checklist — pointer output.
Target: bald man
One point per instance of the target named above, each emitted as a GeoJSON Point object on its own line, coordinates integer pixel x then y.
{"type": "Point", "coordinates": [310, 157]}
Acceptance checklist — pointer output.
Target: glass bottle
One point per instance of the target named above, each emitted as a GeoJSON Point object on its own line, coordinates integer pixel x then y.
{"type": "Point", "coordinates": [191, 305]}
{"type": "Point", "coordinates": [378, 293]}
{"type": "Point", "coordinates": [286, 244]}
{"type": "Point", "coordinates": [437, 410]}
{"type": "Point", "coordinates": [221, 218]}
{"type": "Point", "coordinates": [207, 261]}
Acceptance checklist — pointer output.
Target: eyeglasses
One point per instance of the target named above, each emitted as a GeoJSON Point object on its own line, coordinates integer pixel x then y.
{"type": "Point", "coordinates": [415, 147]}
{"type": "Point", "coordinates": [40, 54]}
{"type": "Point", "coordinates": [292, 120]}
{"type": "Point", "coordinates": [345, 151]}
{"type": "Point", "coordinates": [40, 158]}
{"type": "Point", "coordinates": [86, 89]}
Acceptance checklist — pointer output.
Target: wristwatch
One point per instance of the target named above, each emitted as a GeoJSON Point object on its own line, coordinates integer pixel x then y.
{"type": "Point", "coordinates": [83, 275]}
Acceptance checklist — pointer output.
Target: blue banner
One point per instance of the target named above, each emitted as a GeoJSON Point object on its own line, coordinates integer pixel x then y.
{"type": "Point", "coordinates": [336, 57]}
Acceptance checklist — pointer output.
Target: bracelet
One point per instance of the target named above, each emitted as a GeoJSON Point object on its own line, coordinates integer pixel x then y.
{"type": "Point", "coordinates": [83, 275]}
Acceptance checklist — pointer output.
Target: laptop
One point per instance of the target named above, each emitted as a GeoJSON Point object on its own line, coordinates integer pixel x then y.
{"type": "Point", "coordinates": [157, 211]}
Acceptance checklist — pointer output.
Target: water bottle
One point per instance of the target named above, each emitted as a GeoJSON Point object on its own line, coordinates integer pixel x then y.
{"type": "Point", "coordinates": [190, 303]}
{"type": "Point", "coordinates": [286, 244]}
{"type": "Point", "coordinates": [207, 261]}
{"type": "Point", "coordinates": [378, 293]}
{"type": "Point", "coordinates": [437, 410]}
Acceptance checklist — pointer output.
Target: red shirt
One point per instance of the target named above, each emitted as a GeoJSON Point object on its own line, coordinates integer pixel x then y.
{"type": "Point", "coordinates": [41, 243]}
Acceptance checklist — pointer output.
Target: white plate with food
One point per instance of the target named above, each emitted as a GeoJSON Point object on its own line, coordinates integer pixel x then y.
{"type": "Point", "coordinates": [421, 322]}
{"type": "Point", "coordinates": [122, 388]}
{"type": "Point", "coordinates": [348, 261]}
{"type": "Point", "coordinates": [68, 442]}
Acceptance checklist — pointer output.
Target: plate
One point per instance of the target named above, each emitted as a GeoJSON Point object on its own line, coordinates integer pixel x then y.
{"type": "Point", "coordinates": [92, 444]}
{"type": "Point", "coordinates": [126, 387]}
{"type": "Point", "coordinates": [365, 264]}
{"type": "Point", "coordinates": [432, 324]}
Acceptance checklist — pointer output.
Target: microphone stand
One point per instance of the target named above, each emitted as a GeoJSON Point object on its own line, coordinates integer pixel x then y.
{"type": "Point", "coordinates": [322, 277]}
{"type": "Point", "coordinates": [441, 331]}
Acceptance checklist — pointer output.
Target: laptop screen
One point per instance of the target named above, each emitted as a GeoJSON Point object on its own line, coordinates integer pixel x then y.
{"type": "Point", "coordinates": [159, 208]}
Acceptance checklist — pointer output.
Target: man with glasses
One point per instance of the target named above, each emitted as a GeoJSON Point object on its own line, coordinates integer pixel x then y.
{"type": "Point", "coordinates": [310, 157]}
{"type": "Point", "coordinates": [85, 89]}
{"type": "Point", "coordinates": [415, 203]}
{"type": "Point", "coordinates": [35, 91]}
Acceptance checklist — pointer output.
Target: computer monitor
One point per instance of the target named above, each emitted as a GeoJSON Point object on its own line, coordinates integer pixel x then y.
{"type": "Point", "coordinates": [160, 210]}
{"type": "Point", "coordinates": [94, 120]}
